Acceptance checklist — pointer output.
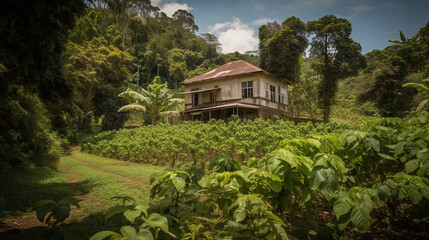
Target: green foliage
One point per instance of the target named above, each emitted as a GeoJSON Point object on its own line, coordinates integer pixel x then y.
{"type": "Point", "coordinates": [157, 100]}
{"type": "Point", "coordinates": [30, 64]}
{"type": "Point", "coordinates": [26, 138]}
{"type": "Point", "coordinates": [30, 73]}
{"type": "Point", "coordinates": [54, 214]}
{"type": "Point", "coordinates": [112, 119]}
{"type": "Point", "coordinates": [281, 48]}
{"type": "Point", "coordinates": [338, 56]}
{"type": "Point", "coordinates": [404, 63]}
{"type": "Point", "coordinates": [423, 89]}
{"type": "Point", "coordinates": [196, 142]}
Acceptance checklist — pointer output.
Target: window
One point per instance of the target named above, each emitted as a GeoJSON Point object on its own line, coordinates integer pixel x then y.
{"type": "Point", "coordinates": [272, 93]}
{"type": "Point", "coordinates": [198, 99]}
{"type": "Point", "coordinates": [212, 98]}
{"type": "Point", "coordinates": [282, 95]}
{"type": "Point", "coordinates": [247, 89]}
{"type": "Point", "coordinates": [267, 91]}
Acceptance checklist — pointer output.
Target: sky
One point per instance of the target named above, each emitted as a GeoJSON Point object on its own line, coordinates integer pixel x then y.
{"type": "Point", "coordinates": [236, 22]}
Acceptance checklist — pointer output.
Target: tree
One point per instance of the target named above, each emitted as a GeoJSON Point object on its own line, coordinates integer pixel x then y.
{"type": "Point", "coordinates": [96, 66]}
{"type": "Point", "coordinates": [34, 34]}
{"type": "Point", "coordinates": [121, 10]}
{"type": "Point", "coordinates": [185, 19]}
{"type": "Point", "coordinates": [157, 100]}
{"type": "Point", "coordinates": [32, 43]}
{"type": "Point", "coordinates": [405, 60]}
{"type": "Point", "coordinates": [338, 56]}
{"type": "Point", "coordinates": [281, 48]}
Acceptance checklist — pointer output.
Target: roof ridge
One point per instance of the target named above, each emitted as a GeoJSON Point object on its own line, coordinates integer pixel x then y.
{"type": "Point", "coordinates": [229, 69]}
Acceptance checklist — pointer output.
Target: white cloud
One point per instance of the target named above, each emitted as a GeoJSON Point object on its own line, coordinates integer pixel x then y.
{"type": "Point", "coordinates": [235, 36]}
{"type": "Point", "coordinates": [262, 21]}
{"type": "Point", "coordinates": [171, 7]}
{"type": "Point", "coordinates": [358, 9]}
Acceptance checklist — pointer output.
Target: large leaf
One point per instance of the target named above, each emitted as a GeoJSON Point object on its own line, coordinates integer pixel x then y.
{"type": "Point", "coordinates": [116, 210]}
{"type": "Point", "coordinates": [61, 212]}
{"type": "Point", "coordinates": [131, 215]}
{"type": "Point", "coordinates": [414, 193]}
{"type": "Point", "coordinates": [132, 108]}
{"type": "Point", "coordinates": [144, 234]}
{"type": "Point", "coordinates": [129, 232]}
{"type": "Point", "coordinates": [411, 165]}
{"type": "Point", "coordinates": [44, 207]}
{"type": "Point", "coordinates": [360, 218]}
{"type": "Point", "coordinates": [179, 184]}
{"type": "Point", "coordinates": [104, 234]}
{"type": "Point", "coordinates": [133, 95]}
{"type": "Point", "coordinates": [342, 206]}
{"type": "Point", "coordinates": [156, 220]}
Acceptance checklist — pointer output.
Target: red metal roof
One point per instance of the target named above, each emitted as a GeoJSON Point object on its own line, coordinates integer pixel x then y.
{"type": "Point", "coordinates": [230, 69]}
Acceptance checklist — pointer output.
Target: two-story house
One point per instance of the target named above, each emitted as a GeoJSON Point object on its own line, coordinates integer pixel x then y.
{"type": "Point", "coordinates": [236, 88]}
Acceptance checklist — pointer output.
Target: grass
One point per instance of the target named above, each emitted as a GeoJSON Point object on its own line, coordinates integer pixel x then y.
{"type": "Point", "coordinates": [138, 172]}
{"type": "Point", "coordinates": [91, 179]}
{"type": "Point", "coordinates": [21, 188]}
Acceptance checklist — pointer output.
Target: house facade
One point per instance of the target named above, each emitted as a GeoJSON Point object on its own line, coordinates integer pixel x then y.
{"type": "Point", "coordinates": [236, 88]}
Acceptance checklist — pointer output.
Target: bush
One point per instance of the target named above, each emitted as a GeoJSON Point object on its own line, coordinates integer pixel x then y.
{"type": "Point", "coordinates": [25, 137]}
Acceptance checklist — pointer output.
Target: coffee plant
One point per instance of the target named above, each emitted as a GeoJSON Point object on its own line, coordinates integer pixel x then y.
{"type": "Point", "coordinates": [196, 142]}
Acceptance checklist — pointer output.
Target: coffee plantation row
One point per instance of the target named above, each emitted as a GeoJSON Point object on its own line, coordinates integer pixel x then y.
{"type": "Point", "coordinates": [196, 142]}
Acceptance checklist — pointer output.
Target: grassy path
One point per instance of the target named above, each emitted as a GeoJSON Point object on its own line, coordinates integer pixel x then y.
{"type": "Point", "coordinates": [92, 180]}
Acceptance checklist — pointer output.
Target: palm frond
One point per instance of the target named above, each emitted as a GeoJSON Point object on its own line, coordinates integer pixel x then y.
{"type": "Point", "coordinates": [169, 113]}
{"type": "Point", "coordinates": [134, 96]}
{"type": "Point", "coordinates": [422, 105]}
{"type": "Point", "coordinates": [132, 108]}
{"type": "Point", "coordinates": [176, 100]}
{"type": "Point", "coordinates": [418, 86]}
{"type": "Point", "coordinates": [135, 87]}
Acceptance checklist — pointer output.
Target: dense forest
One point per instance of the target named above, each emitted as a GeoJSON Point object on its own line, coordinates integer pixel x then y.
{"type": "Point", "coordinates": [68, 70]}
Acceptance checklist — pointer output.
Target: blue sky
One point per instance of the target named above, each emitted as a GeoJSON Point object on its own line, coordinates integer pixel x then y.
{"type": "Point", "coordinates": [236, 23]}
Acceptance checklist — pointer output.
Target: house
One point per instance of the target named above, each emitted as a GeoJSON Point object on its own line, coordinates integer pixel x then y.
{"type": "Point", "coordinates": [236, 88]}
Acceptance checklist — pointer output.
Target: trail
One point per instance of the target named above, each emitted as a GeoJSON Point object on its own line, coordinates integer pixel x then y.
{"type": "Point", "coordinates": [127, 180]}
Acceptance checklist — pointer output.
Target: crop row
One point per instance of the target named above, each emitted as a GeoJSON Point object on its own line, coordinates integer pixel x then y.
{"type": "Point", "coordinates": [196, 142]}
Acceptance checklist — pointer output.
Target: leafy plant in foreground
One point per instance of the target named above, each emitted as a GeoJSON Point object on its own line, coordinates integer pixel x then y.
{"type": "Point", "coordinates": [54, 214]}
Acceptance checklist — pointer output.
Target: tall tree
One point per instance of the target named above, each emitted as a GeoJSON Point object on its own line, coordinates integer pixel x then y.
{"type": "Point", "coordinates": [185, 19]}
{"type": "Point", "coordinates": [122, 11]}
{"type": "Point", "coordinates": [281, 48]}
{"type": "Point", "coordinates": [338, 56]}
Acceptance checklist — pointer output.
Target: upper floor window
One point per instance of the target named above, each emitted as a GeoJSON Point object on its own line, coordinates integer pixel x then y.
{"type": "Point", "coordinates": [282, 95]}
{"type": "Point", "coordinates": [247, 89]}
{"type": "Point", "coordinates": [212, 98]}
{"type": "Point", "coordinates": [267, 91]}
{"type": "Point", "coordinates": [272, 93]}
{"type": "Point", "coordinates": [198, 99]}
